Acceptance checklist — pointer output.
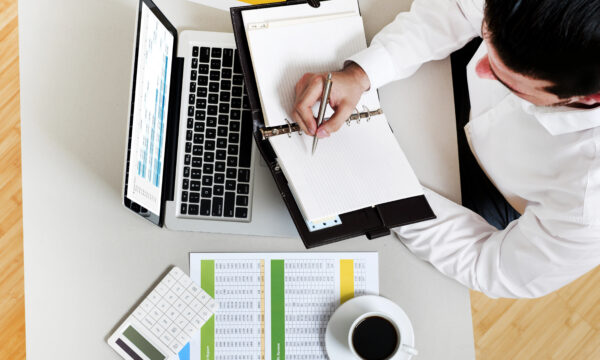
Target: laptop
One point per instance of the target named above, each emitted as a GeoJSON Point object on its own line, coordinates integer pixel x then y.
{"type": "Point", "coordinates": [191, 163]}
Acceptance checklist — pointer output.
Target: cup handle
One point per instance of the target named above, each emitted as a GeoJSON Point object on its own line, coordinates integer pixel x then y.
{"type": "Point", "coordinates": [409, 350]}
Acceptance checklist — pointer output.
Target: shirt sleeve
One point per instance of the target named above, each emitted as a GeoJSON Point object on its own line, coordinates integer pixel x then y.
{"type": "Point", "coordinates": [431, 30]}
{"type": "Point", "coordinates": [530, 258]}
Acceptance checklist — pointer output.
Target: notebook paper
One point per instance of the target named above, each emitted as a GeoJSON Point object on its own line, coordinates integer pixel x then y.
{"type": "Point", "coordinates": [276, 305]}
{"type": "Point", "coordinates": [359, 166]}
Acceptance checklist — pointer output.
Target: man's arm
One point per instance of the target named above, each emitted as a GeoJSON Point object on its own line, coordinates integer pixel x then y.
{"type": "Point", "coordinates": [530, 258]}
{"type": "Point", "coordinates": [431, 30]}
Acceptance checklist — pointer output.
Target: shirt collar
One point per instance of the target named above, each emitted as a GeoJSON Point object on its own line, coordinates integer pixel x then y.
{"type": "Point", "coordinates": [563, 120]}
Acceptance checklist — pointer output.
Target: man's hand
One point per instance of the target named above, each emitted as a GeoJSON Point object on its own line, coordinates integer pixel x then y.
{"type": "Point", "coordinates": [348, 86]}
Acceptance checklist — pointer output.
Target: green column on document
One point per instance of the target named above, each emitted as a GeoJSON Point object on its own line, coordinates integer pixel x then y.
{"type": "Point", "coordinates": [207, 333]}
{"type": "Point", "coordinates": [277, 310]}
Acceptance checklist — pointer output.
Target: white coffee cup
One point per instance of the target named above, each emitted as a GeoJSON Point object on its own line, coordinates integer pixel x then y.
{"type": "Point", "coordinates": [400, 347]}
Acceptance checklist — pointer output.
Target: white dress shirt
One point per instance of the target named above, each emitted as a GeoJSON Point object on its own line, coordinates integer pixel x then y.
{"type": "Point", "coordinates": [545, 161]}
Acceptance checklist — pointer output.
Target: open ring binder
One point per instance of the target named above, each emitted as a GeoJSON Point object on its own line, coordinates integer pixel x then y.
{"type": "Point", "coordinates": [289, 128]}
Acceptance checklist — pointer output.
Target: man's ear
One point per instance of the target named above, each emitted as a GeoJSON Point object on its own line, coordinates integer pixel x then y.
{"type": "Point", "coordinates": [483, 69]}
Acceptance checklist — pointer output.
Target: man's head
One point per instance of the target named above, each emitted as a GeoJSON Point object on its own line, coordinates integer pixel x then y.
{"type": "Point", "coordinates": [545, 51]}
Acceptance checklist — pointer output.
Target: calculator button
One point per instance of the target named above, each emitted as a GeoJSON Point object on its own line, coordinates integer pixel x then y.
{"type": "Point", "coordinates": [175, 346]}
{"type": "Point", "coordinates": [178, 289]}
{"type": "Point", "coordinates": [163, 305]}
{"type": "Point", "coordinates": [196, 305]}
{"type": "Point", "coordinates": [179, 305]}
{"type": "Point", "coordinates": [149, 321]}
{"type": "Point", "coordinates": [172, 314]}
{"type": "Point", "coordinates": [183, 337]}
{"type": "Point", "coordinates": [161, 289]}
{"type": "Point", "coordinates": [171, 297]}
{"type": "Point", "coordinates": [181, 321]}
{"type": "Point", "coordinates": [204, 313]}
{"type": "Point", "coordinates": [187, 297]}
{"type": "Point", "coordinates": [147, 305]}
{"type": "Point", "coordinates": [203, 297]}
{"type": "Point", "coordinates": [156, 314]}
{"type": "Point", "coordinates": [174, 330]}
{"type": "Point", "coordinates": [188, 313]}
{"type": "Point", "coordinates": [139, 313]}
{"type": "Point", "coordinates": [154, 296]}
{"type": "Point", "coordinates": [176, 272]}
{"type": "Point", "coordinates": [158, 330]}
{"type": "Point", "coordinates": [185, 281]}
{"type": "Point", "coordinates": [190, 329]}
{"type": "Point", "coordinates": [211, 305]}
{"type": "Point", "coordinates": [165, 321]}
{"type": "Point", "coordinates": [194, 289]}
{"type": "Point", "coordinates": [198, 321]}
{"type": "Point", "coordinates": [168, 281]}
{"type": "Point", "coordinates": [166, 338]}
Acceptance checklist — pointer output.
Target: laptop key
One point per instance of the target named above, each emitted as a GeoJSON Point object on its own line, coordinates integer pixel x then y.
{"type": "Point", "coordinates": [232, 161]}
{"type": "Point", "coordinates": [209, 145]}
{"type": "Point", "coordinates": [221, 143]}
{"type": "Point", "coordinates": [207, 180]}
{"type": "Point", "coordinates": [215, 75]}
{"type": "Point", "coordinates": [238, 80]}
{"type": "Point", "coordinates": [186, 184]}
{"type": "Point", "coordinates": [246, 140]}
{"type": "Point", "coordinates": [213, 98]}
{"type": "Point", "coordinates": [204, 54]}
{"type": "Point", "coordinates": [190, 123]}
{"type": "Point", "coordinates": [192, 87]}
{"type": "Point", "coordinates": [202, 91]}
{"type": "Point", "coordinates": [188, 135]}
{"type": "Point", "coordinates": [186, 171]}
{"type": "Point", "coordinates": [234, 138]}
{"type": "Point", "coordinates": [193, 209]}
{"type": "Point", "coordinates": [217, 206]}
{"type": "Point", "coordinates": [227, 57]}
{"type": "Point", "coordinates": [195, 51]}
{"type": "Point", "coordinates": [200, 115]}
{"type": "Point", "coordinates": [206, 192]}
{"type": "Point", "coordinates": [203, 69]}
{"type": "Point", "coordinates": [187, 159]}
{"type": "Point", "coordinates": [208, 169]}
{"type": "Point", "coordinates": [229, 204]}
{"type": "Point", "coordinates": [198, 126]}
{"type": "Point", "coordinates": [188, 147]}
{"type": "Point", "coordinates": [211, 121]}
{"type": "Point", "coordinates": [192, 99]}
{"type": "Point", "coordinates": [200, 103]}
{"type": "Point", "coordinates": [236, 102]}
{"type": "Point", "coordinates": [209, 156]}
{"type": "Point", "coordinates": [223, 119]}
{"type": "Point", "coordinates": [184, 196]}
{"type": "Point", "coordinates": [219, 179]}
{"type": "Point", "coordinates": [216, 52]}
{"type": "Point", "coordinates": [243, 188]}
{"type": "Point", "coordinates": [205, 207]}
{"type": "Point", "coordinates": [211, 134]}
{"type": "Point", "coordinates": [194, 197]}
{"type": "Point", "coordinates": [198, 138]}
{"type": "Point", "coordinates": [212, 110]}
{"type": "Point", "coordinates": [224, 108]}
{"type": "Point", "coordinates": [230, 185]}
{"type": "Point", "coordinates": [234, 126]}
{"type": "Point", "coordinates": [236, 91]}
{"type": "Point", "coordinates": [220, 166]}
{"type": "Point", "coordinates": [183, 209]}
{"type": "Point", "coordinates": [235, 114]}
{"type": "Point", "coordinates": [241, 200]}
{"type": "Point", "coordinates": [241, 212]}
{"type": "Point", "coordinates": [196, 173]}
{"type": "Point", "coordinates": [197, 150]}
{"type": "Point", "coordinates": [225, 96]}
{"type": "Point", "coordinates": [194, 75]}
{"type": "Point", "coordinates": [244, 175]}
{"type": "Point", "coordinates": [215, 64]}
{"type": "Point", "coordinates": [231, 173]}
{"type": "Point", "coordinates": [195, 185]}
{"type": "Point", "coordinates": [225, 84]}
{"type": "Point", "coordinates": [190, 111]}
{"type": "Point", "coordinates": [213, 87]}
{"type": "Point", "coordinates": [218, 190]}
{"type": "Point", "coordinates": [221, 154]}
{"type": "Point", "coordinates": [226, 74]}
{"type": "Point", "coordinates": [194, 63]}
{"type": "Point", "coordinates": [222, 131]}
{"type": "Point", "coordinates": [232, 150]}
{"type": "Point", "coordinates": [202, 80]}
{"type": "Point", "coordinates": [196, 161]}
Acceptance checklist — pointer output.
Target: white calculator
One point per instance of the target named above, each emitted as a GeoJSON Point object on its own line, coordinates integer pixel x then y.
{"type": "Point", "coordinates": [165, 320]}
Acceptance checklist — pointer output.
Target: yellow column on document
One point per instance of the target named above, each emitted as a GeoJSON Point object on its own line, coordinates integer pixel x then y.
{"type": "Point", "coordinates": [346, 280]}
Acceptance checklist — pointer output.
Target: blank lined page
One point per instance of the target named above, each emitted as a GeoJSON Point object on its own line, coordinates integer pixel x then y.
{"type": "Point", "coordinates": [360, 165]}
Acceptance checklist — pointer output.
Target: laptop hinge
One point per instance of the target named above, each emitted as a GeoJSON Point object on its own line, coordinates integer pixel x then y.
{"type": "Point", "coordinates": [173, 130]}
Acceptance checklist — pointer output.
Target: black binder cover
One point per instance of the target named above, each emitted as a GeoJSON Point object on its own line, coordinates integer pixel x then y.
{"type": "Point", "coordinates": [372, 221]}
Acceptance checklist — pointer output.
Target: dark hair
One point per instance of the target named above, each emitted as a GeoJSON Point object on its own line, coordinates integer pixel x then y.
{"type": "Point", "coordinates": [553, 40]}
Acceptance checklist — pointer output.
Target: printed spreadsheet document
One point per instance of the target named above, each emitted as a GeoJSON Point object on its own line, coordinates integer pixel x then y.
{"type": "Point", "coordinates": [276, 305]}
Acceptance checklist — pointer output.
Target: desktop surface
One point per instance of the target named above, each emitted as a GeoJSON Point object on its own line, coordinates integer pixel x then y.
{"type": "Point", "coordinates": [88, 259]}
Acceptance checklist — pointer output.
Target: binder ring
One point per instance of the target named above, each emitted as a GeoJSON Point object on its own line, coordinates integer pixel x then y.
{"type": "Point", "coordinates": [289, 127]}
{"type": "Point", "coordinates": [366, 109]}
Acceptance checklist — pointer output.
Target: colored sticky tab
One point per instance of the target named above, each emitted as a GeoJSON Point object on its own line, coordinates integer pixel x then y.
{"type": "Point", "coordinates": [207, 333]}
{"type": "Point", "coordinates": [277, 310]}
{"type": "Point", "coordinates": [346, 280]}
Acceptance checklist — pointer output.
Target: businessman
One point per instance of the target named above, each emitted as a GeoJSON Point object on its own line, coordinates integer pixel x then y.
{"type": "Point", "coordinates": [534, 86]}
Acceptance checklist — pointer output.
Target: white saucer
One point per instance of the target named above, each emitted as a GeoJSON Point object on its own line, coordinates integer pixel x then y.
{"type": "Point", "coordinates": [336, 335]}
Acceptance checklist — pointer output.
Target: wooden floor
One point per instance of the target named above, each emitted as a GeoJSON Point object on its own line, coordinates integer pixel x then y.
{"type": "Point", "coordinates": [563, 325]}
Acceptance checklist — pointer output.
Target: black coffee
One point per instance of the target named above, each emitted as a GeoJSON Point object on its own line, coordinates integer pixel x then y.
{"type": "Point", "coordinates": [375, 338]}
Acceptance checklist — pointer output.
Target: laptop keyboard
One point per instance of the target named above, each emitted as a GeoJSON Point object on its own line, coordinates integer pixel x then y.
{"type": "Point", "coordinates": [218, 141]}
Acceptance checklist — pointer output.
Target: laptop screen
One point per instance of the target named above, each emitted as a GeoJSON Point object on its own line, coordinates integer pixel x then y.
{"type": "Point", "coordinates": [150, 104]}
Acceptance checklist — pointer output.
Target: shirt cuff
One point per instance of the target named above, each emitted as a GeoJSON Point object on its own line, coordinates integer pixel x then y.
{"type": "Point", "coordinates": [377, 64]}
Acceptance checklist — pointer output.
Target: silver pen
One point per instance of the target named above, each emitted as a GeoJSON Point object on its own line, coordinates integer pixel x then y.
{"type": "Point", "coordinates": [322, 108]}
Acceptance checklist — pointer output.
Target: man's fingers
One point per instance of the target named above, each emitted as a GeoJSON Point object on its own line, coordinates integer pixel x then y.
{"type": "Point", "coordinates": [303, 108]}
{"type": "Point", "coordinates": [342, 113]}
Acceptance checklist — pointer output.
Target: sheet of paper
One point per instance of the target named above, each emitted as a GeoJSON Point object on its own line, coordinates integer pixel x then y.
{"type": "Point", "coordinates": [276, 305]}
{"type": "Point", "coordinates": [359, 166]}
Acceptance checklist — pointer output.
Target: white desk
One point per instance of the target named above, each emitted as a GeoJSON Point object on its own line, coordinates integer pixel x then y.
{"type": "Point", "coordinates": [87, 259]}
